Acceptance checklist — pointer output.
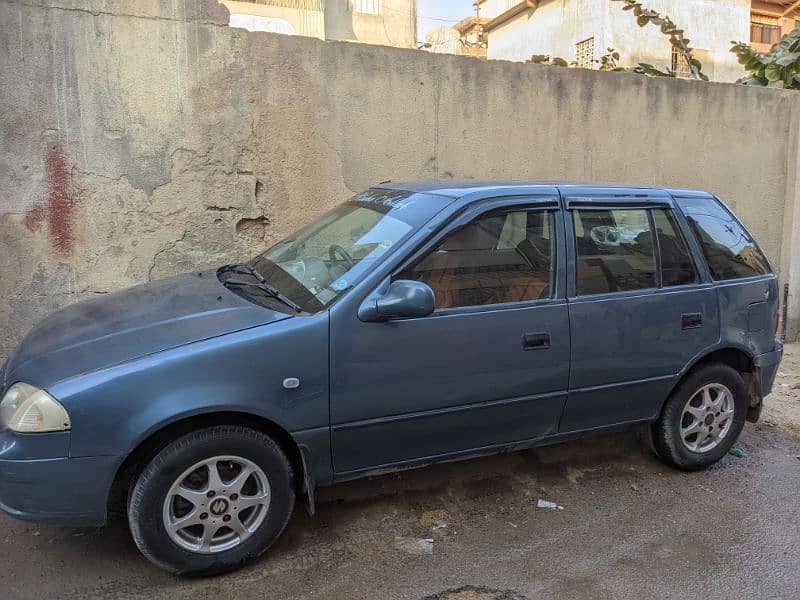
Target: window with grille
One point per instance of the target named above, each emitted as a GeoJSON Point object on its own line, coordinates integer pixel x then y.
{"type": "Point", "coordinates": [370, 7]}
{"type": "Point", "coordinates": [680, 64]}
{"type": "Point", "coordinates": [584, 54]}
{"type": "Point", "coordinates": [764, 29]}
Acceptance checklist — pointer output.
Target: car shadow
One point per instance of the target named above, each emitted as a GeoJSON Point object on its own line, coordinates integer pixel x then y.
{"type": "Point", "coordinates": [350, 514]}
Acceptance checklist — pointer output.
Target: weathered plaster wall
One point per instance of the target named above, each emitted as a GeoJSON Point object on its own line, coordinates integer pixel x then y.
{"type": "Point", "coordinates": [143, 144]}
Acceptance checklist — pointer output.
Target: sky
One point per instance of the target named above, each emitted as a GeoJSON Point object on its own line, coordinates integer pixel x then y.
{"type": "Point", "coordinates": [435, 13]}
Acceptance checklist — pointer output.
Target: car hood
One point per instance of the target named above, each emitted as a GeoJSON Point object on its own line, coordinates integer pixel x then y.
{"type": "Point", "coordinates": [132, 323]}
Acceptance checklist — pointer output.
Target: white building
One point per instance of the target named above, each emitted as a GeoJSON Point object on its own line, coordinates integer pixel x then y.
{"type": "Point", "coordinates": [582, 30]}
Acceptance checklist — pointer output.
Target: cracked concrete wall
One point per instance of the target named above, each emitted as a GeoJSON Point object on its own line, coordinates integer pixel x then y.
{"type": "Point", "coordinates": [143, 139]}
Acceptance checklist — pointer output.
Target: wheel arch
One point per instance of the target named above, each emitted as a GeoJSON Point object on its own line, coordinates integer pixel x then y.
{"type": "Point", "coordinates": [156, 440]}
{"type": "Point", "coordinates": [736, 357]}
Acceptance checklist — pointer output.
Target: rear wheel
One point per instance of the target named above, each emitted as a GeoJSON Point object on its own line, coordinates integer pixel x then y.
{"type": "Point", "coordinates": [702, 418]}
{"type": "Point", "coordinates": [212, 500]}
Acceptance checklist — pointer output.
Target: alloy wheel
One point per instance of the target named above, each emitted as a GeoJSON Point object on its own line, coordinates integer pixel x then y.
{"type": "Point", "coordinates": [216, 504]}
{"type": "Point", "coordinates": [707, 418]}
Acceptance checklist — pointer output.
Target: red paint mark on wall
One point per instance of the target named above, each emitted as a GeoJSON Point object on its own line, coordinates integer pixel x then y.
{"type": "Point", "coordinates": [60, 202]}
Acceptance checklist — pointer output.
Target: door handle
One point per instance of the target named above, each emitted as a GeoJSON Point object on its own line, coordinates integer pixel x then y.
{"type": "Point", "coordinates": [691, 320]}
{"type": "Point", "coordinates": [535, 341]}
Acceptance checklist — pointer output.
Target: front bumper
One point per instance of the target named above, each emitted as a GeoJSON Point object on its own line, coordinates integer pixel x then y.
{"type": "Point", "coordinates": [767, 367]}
{"type": "Point", "coordinates": [60, 491]}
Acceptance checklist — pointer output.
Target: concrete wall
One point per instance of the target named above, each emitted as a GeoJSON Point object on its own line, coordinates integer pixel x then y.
{"type": "Point", "coordinates": [557, 25]}
{"type": "Point", "coordinates": [140, 145]}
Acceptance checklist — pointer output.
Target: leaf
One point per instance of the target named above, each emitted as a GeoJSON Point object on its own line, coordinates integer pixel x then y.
{"type": "Point", "coordinates": [560, 62]}
{"type": "Point", "coordinates": [788, 59]}
{"type": "Point", "coordinates": [773, 72]}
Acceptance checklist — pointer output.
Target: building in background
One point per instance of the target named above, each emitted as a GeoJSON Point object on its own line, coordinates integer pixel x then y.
{"type": "Point", "coordinates": [581, 30]}
{"type": "Point", "coordinates": [467, 37]}
{"type": "Point", "coordinates": [384, 22]}
{"type": "Point", "coordinates": [770, 20]}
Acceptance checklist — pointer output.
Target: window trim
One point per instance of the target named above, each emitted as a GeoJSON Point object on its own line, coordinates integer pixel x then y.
{"type": "Point", "coordinates": [648, 207]}
{"type": "Point", "coordinates": [501, 204]}
{"type": "Point", "coordinates": [656, 249]}
{"type": "Point", "coordinates": [681, 230]}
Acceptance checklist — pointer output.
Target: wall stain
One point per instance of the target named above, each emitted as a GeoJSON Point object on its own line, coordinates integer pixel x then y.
{"type": "Point", "coordinates": [57, 207]}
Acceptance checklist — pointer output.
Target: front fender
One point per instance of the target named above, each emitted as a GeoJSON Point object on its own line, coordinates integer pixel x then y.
{"type": "Point", "coordinates": [114, 410]}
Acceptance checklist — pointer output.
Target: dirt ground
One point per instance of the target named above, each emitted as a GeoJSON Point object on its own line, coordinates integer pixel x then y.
{"type": "Point", "coordinates": [629, 528]}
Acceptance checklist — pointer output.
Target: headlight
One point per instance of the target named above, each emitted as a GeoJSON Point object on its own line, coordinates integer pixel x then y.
{"type": "Point", "coordinates": [27, 409]}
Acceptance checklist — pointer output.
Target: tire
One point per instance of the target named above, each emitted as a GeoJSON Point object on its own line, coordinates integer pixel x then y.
{"type": "Point", "coordinates": [693, 452]}
{"type": "Point", "coordinates": [261, 512]}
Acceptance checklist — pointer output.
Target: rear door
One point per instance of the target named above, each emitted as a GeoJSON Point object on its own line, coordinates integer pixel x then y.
{"type": "Point", "coordinates": [640, 309]}
{"type": "Point", "coordinates": [746, 286]}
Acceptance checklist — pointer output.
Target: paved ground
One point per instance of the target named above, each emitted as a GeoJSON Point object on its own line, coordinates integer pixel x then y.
{"type": "Point", "coordinates": [629, 528]}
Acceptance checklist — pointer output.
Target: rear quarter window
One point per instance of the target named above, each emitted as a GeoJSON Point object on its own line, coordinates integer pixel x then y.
{"type": "Point", "coordinates": [731, 253]}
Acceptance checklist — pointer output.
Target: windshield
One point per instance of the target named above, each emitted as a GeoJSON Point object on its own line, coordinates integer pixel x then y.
{"type": "Point", "coordinates": [320, 262]}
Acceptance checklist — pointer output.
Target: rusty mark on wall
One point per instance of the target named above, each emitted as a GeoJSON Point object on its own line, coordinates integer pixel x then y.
{"type": "Point", "coordinates": [57, 207]}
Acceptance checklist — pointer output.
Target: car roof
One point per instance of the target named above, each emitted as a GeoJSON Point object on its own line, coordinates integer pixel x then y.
{"type": "Point", "coordinates": [461, 188]}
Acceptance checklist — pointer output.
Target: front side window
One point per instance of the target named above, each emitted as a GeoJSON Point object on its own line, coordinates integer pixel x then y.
{"type": "Point", "coordinates": [321, 261]}
{"type": "Point", "coordinates": [498, 258]}
{"type": "Point", "coordinates": [729, 250]}
{"type": "Point", "coordinates": [677, 267]}
{"type": "Point", "coordinates": [615, 251]}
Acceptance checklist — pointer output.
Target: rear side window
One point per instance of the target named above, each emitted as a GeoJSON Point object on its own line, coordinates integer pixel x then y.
{"type": "Point", "coordinates": [615, 251]}
{"type": "Point", "coordinates": [729, 250]}
{"type": "Point", "coordinates": [677, 267]}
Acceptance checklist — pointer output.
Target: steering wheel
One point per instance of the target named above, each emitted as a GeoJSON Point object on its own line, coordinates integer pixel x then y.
{"type": "Point", "coordinates": [344, 255]}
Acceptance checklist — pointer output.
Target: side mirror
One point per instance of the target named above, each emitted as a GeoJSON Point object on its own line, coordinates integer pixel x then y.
{"type": "Point", "coordinates": [403, 300]}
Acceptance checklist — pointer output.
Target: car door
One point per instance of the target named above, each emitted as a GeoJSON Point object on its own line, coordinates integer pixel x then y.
{"type": "Point", "coordinates": [746, 287]}
{"type": "Point", "coordinates": [490, 366]}
{"type": "Point", "coordinates": [640, 309]}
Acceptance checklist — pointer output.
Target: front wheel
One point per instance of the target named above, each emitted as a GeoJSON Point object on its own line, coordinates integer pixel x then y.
{"type": "Point", "coordinates": [212, 500]}
{"type": "Point", "coordinates": [702, 418]}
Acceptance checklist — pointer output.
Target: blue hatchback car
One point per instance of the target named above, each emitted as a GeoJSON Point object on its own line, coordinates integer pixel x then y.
{"type": "Point", "coordinates": [414, 323]}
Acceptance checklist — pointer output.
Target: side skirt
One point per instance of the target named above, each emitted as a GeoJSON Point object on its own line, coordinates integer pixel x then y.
{"type": "Point", "coordinates": [484, 451]}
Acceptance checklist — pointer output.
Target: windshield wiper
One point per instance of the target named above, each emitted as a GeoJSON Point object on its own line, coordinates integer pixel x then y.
{"type": "Point", "coordinates": [261, 285]}
{"type": "Point", "coordinates": [268, 289]}
{"type": "Point", "coordinates": [243, 268]}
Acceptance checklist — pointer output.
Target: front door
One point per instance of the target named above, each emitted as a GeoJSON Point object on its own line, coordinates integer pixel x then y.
{"type": "Point", "coordinates": [639, 310]}
{"type": "Point", "coordinates": [490, 366]}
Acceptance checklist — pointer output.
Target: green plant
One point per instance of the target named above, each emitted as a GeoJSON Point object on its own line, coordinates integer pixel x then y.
{"type": "Point", "coordinates": [545, 59]}
{"type": "Point", "coordinates": [778, 68]}
{"type": "Point", "coordinates": [645, 16]}
{"type": "Point", "coordinates": [610, 61]}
